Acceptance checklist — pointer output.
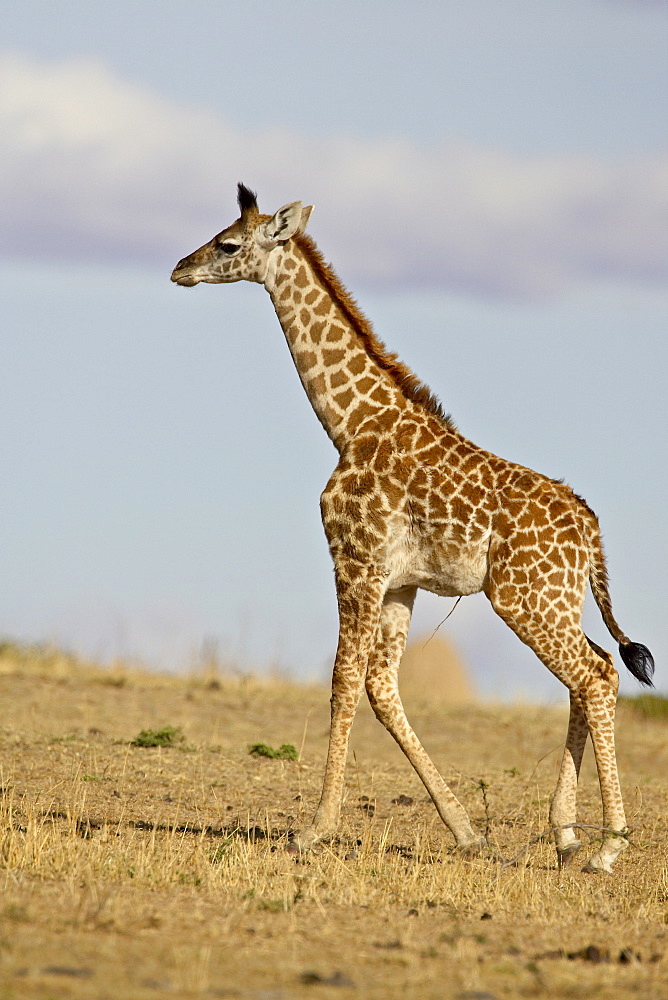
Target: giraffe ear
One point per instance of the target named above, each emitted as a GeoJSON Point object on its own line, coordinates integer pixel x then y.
{"type": "Point", "coordinates": [306, 215]}
{"type": "Point", "coordinates": [282, 226]}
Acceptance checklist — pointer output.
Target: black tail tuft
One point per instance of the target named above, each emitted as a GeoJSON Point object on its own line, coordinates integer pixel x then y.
{"type": "Point", "coordinates": [638, 660]}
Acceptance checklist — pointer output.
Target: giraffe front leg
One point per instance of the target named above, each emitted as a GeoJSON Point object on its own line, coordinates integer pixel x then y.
{"type": "Point", "coordinates": [359, 612]}
{"type": "Point", "coordinates": [563, 807]}
{"type": "Point", "coordinates": [383, 693]}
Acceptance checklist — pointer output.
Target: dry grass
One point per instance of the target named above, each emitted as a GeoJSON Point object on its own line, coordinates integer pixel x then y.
{"type": "Point", "coordinates": [136, 872]}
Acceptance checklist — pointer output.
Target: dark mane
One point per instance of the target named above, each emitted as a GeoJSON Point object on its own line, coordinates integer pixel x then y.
{"type": "Point", "coordinates": [401, 375]}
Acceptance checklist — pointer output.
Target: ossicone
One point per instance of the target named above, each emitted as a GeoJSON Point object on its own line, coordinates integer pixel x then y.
{"type": "Point", "coordinates": [247, 199]}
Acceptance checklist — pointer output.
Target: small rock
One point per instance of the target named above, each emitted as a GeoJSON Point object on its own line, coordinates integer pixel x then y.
{"type": "Point", "coordinates": [486, 916]}
{"type": "Point", "coordinates": [336, 979]}
{"type": "Point", "coordinates": [66, 970]}
{"type": "Point", "coordinates": [402, 800]}
{"type": "Point", "coordinates": [592, 953]}
{"type": "Point", "coordinates": [351, 856]}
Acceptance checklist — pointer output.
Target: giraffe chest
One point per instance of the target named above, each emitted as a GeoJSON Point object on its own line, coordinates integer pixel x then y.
{"type": "Point", "coordinates": [437, 554]}
{"type": "Point", "coordinates": [414, 522]}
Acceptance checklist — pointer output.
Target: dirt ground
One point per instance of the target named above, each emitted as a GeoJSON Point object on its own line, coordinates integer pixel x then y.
{"type": "Point", "coordinates": [136, 872]}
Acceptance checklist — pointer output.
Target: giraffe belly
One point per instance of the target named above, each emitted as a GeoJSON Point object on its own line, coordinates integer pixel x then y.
{"type": "Point", "coordinates": [446, 571]}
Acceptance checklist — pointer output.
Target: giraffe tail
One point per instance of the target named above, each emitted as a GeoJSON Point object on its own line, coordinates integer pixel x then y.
{"type": "Point", "coordinates": [636, 657]}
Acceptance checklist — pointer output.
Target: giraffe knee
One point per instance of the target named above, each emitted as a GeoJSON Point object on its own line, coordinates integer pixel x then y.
{"type": "Point", "coordinates": [601, 684]}
{"type": "Point", "coordinates": [607, 676]}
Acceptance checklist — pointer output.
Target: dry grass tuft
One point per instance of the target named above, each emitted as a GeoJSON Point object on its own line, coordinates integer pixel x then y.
{"type": "Point", "coordinates": [150, 871]}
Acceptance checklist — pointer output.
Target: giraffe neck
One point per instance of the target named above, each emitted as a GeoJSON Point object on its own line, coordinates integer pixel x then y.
{"type": "Point", "coordinates": [347, 374]}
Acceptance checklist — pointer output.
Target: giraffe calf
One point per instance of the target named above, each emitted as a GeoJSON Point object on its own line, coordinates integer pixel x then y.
{"type": "Point", "coordinates": [412, 504]}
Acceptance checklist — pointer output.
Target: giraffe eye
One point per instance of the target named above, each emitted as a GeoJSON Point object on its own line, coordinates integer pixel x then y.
{"type": "Point", "coordinates": [229, 248]}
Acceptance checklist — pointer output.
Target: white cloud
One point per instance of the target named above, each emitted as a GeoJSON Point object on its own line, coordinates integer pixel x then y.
{"type": "Point", "coordinates": [96, 168]}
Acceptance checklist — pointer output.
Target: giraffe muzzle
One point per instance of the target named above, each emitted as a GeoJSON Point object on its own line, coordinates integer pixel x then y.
{"type": "Point", "coordinates": [183, 277]}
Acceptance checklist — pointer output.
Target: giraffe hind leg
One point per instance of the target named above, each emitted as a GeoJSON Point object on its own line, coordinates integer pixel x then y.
{"type": "Point", "coordinates": [599, 704]}
{"type": "Point", "coordinates": [563, 812]}
{"type": "Point", "coordinates": [592, 682]}
{"type": "Point", "coordinates": [596, 695]}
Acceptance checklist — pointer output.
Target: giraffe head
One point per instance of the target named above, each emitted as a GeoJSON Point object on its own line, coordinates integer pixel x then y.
{"type": "Point", "coordinates": [242, 251]}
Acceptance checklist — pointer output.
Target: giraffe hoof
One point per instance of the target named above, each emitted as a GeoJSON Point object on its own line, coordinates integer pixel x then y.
{"type": "Point", "coordinates": [473, 850]}
{"type": "Point", "coordinates": [606, 855]}
{"type": "Point", "coordinates": [596, 869]}
{"type": "Point", "coordinates": [566, 855]}
{"type": "Point", "coordinates": [304, 841]}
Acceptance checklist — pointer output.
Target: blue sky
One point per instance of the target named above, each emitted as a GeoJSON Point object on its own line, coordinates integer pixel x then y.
{"type": "Point", "coordinates": [490, 181]}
